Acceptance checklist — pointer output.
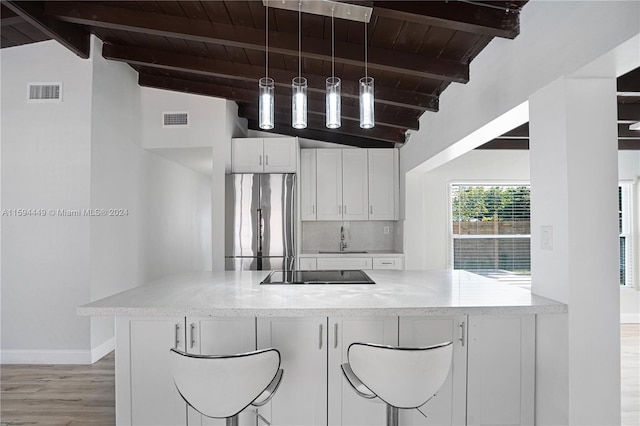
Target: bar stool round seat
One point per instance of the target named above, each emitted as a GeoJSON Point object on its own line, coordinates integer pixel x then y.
{"type": "Point", "coordinates": [401, 377]}
{"type": "Point", "coordinates": [222, 386]}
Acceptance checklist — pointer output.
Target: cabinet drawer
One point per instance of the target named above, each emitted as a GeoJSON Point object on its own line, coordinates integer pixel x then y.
{"type": "Point", "coordinates": [307, 263]}
{"type": "Point", "coordinates": [344, 263]}
{"type": "Point", "coordinates": [388, 263]}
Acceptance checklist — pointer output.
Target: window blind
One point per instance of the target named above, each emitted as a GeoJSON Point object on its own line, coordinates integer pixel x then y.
{"type": "Point", "coordinates": [491, 228]}
{"type": "Point", "coordinates": [625, 228]}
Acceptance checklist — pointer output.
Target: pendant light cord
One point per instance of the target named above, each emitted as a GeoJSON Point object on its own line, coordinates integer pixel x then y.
{"type": "Point", "coordinates": [266, 50]}
{"type": "Point", "coordinates": [299, 38]}
{"type": "Point", "coordinates": [333, 46]}
{"type": "Point", "coordinates": [366, 48]}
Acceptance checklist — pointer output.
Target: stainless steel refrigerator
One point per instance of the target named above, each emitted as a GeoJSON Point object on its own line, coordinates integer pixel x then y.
{"type": "Point", "coordinates": [260, 221]}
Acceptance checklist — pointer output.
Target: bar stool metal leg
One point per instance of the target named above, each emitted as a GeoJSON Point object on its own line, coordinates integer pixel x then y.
{"type": "Point", "coordinates": [232, 421]}
{"type": "Point", "coordinates": [392, 415]}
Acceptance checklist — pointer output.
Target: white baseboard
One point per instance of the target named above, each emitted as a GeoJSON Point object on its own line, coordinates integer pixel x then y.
{"type": "Point", "coordinates": [630, 318]}
{"type": "Point", "coordinates": [98, 352]}
{"type": "Point", "coordinates": [35, 356]}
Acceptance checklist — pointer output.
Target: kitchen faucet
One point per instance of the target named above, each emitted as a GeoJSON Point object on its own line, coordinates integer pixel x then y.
{"type": "Point", "coordinates": [343, 244]}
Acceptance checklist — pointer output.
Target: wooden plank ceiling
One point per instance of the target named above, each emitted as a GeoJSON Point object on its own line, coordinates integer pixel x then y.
{"type": "Point", "coordinates": [217, 48]}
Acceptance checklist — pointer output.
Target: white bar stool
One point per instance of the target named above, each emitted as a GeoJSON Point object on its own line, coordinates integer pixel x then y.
{"type": "Point", "coordinates": [401, 377]}
{"type": "Point", "coordinates": [222, 386]}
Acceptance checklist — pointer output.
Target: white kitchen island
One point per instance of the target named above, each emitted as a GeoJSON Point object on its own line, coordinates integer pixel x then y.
{"type": "Point", "coordinates": [492, 326]}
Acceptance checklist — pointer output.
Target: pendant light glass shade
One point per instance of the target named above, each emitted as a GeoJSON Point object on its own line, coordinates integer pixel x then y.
{"type": "Point", "coordinates": [266, 103]}
{"type": "Point", "coordinates": [299, 103]}
{"type": "Point", "coordinates": [367, 118]}
{"type": "Point", "coordinates": [333, 103]}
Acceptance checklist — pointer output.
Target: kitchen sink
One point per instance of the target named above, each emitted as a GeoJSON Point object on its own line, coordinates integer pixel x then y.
{"type": "Point", "coordinates": [342, 252]}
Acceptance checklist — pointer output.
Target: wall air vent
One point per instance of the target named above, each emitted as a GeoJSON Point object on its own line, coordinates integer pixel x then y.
{"type": "Point", "coordinates": [44, 92]}
{"type": "Point", "coordinates": [175, 119]}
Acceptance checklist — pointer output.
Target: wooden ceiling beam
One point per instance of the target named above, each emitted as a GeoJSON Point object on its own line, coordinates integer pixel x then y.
{"type": "Point", "coordinates": [453, 15]}
{"type": "Point", "coordinates": [325, 135]}
{"type": "Point", "coordinates": [117, 18]}
{"type": "Point", "coordinates": [629, 112]}
{"type": "Point", "coordinates": [8, 16]}
{"type": "Point", "coordinates": [507, 143]}
{"type": "Point", "coordinates": [315, 105]}
{"type": "Point", "coordinates": [215, 68]}
{"type": "Point", "coordinates": [385, 133]}
{"type": "Point", "coordinates": [316, 122]}
{"type": "Point", "coordinates": [624, 132]}
{"type": "Point", "coordinates": [73, 37]}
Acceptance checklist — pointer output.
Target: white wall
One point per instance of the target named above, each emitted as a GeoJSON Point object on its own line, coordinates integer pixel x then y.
{"type": "Point", "coordinates": [429, 212]}
{"type": "Point", "coordinates": [85, 152]}
{"type": "Point", "coordinates": [46, 153]}
{"type": "Point", "coordinates": [207, 119]}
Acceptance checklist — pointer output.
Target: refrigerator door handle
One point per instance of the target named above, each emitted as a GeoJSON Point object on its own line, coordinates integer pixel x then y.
{"type": "Point", "coordinates": [260, 229]}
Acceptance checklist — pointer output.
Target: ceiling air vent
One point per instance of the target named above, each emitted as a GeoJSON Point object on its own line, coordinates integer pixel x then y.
{"type": "Point", "coordinates": [175, 119]}
{"type": "Point", "coordinates": [44, 92]}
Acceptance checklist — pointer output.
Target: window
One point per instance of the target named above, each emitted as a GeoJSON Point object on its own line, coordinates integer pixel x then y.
{"type": "Point", "coordinates": [491, 232]}
{"type": "Point", "coordinates": [625, 215]}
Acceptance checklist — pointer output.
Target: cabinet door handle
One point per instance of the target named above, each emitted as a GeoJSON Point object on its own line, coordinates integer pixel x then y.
{"type": "Point", "coordinates": [259, 160]}
{"type": "Point", "coordinates": [320, 338]}
{"type": "Point", "coordinates": [387, 263]}
{"type": "Point", "coordinates": [335, 335]}
{"type": "Point", "coordinates": [462, 333]}
{"type": "Point", "coordinates": [192, 335]}
{"type": "Point", "coordinates": [345, 209]}
{"type": "Point", "coordinates": [266, 160]}
{"type": "Point", "coordinates": [371, 209]}
{"type": "Point", "coordinates": [177, 336]}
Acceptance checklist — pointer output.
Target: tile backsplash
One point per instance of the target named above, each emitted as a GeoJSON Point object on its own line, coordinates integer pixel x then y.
{"type": "Point", "coordinates": [366, 235]}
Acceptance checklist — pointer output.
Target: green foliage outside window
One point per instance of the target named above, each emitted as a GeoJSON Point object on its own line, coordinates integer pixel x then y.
{"type": "Point", "coordinates": [482, 203]}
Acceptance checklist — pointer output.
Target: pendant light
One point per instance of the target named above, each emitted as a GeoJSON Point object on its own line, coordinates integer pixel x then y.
{"type": "Point", "coordinates": [266, 85]}
{"type": "Point", "coordinates": [367, 120]}
{"type": "Point", "coordinates": [333, 88]}
{"type": "Point", "coordinates": [299, 86]}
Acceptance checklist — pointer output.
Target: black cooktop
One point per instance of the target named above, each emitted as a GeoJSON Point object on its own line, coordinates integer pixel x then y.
{"type": "Point", "coordinates": [318, 277]}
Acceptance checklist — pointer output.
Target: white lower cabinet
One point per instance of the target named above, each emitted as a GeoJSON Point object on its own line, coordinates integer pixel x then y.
{"type": "Point", "coordinates": [501, 376]}
{"type": "Point", "coordinates": [145, 392]}
{"type": "Point", "coordinates": [301, 398]}
{"type": "Point", "coordinates": [323, 263]}
{"type": "Point", "coordinates": [345, 406]}
{"type": "Point", "coordinates": [307, 264]}
{"type": "Point", "coordinates": [491, 381]}
{"type": "Point", "coordinates": [343, 263]}
{"type": "Point", "coordinates": [449, 405]}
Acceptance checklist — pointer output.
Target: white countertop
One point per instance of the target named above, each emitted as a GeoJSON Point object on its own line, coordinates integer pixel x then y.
{"type": "Point", "coordinates": [396, 293]}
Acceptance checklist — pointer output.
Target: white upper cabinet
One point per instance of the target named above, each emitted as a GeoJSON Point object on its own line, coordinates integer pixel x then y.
{"type": "Point", "coordinates": [349, 184]}
{"type": "Point", "coordinates": [329, 184]}
{"type": "Point", "coordinates": [383, 184]}
{"type": "Point", "coordinates": [308, 184]}
{"type": "Point", "coordinates": [280, 155]}
{"type": "Point", "coordinates": [264, 155]}
{"type": "Point", "coordinates": [355, 182]}
{"type": "Point", "coordinates": [246, 155]}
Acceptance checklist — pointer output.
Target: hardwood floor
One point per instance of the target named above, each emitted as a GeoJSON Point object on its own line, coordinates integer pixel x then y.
{"type": "Point", "coordinates": [80, 395]}
{"type": "Point", "coordinates": [48, 395]}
